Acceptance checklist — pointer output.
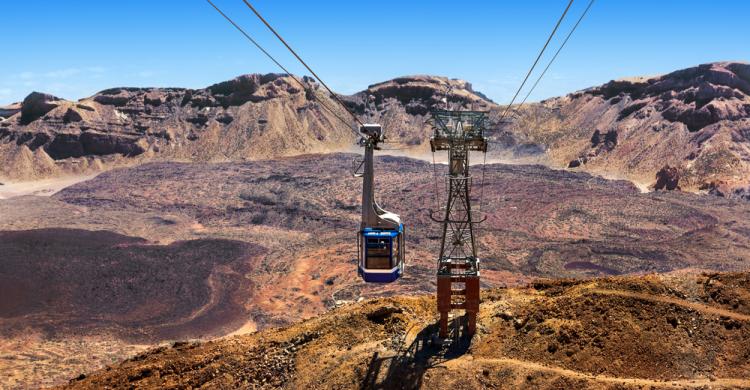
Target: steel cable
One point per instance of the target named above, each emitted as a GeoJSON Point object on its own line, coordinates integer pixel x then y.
{"type": "Point", "coordinates": [304, 88]}
{"type": "Point", "coordinates": [552, 34]}
{"type": "Point", "coordinates": [255, 11]}
{"type": "Point", "coordinates": [556, 54]}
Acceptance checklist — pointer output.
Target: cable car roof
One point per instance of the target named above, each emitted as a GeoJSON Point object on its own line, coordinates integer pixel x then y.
{"type": "Point", "coordinates": [369, 232]}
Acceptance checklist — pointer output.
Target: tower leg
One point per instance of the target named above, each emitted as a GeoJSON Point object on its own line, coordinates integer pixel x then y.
{"type": "Point", "coordinates": [444, 302]}
{"type": "Point", "coordinates": [472, 303]}
{"type": "Point", "coordinates": [443, 324]}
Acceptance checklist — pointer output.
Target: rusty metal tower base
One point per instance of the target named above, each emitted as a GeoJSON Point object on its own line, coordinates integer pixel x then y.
{"type": "Point", "coordinates": [458, 132]}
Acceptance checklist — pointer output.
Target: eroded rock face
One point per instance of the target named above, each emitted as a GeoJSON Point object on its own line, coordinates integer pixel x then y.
{"type": "Point", "coordinates": [418, 95]}
{"type": "Point", "coordinates": [90, 143]}
{"type": "Point", "coordinates": [37, 105]}
{"type": "Point", "coordinates": [130, 121]}
{"type": "Point", "coordinates": [403, 105]}
{"type": "Point", "coordinates": [10, 110]}
{"type": "Point", "coordinates": [251, 116]}
{"type": "Point", "coordinates": [696, 97]}
{"type": "Point", "coordinates": [668, 178]}
{"type": "Point", "coordinates": [71, 115]}
{"type": "Point", "coordinates": [697, 120]}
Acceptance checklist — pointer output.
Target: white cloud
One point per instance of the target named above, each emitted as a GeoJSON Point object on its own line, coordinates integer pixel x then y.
{"type": "Point", "coordinates": [62, 73]}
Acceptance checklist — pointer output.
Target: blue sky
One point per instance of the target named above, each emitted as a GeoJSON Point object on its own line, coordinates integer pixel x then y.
{"type": "Point", "coordinates": [75, 48]}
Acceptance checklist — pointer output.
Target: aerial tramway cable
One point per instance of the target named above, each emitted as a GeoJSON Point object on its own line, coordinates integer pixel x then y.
{"type": "Point", "coordinates": [556, 54]}
{"type": "Point", "coordinates": [262, 19]}
{"type": "Point", "coordinates": [304, 88]}
{"type": "Point", "coordinates": [541, 52]}
{"type": "Point", "coordinates": [516, 110]}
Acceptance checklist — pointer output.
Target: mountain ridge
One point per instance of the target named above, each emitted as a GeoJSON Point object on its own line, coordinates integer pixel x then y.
{"type": "Point", "coordinates": [692, 124]}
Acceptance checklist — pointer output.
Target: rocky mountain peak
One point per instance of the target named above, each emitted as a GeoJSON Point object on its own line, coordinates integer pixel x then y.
{"type": "Point", "coordinates": [426, 87]}
{"type": "Point", "coordinates": [418, 95]}
{"type": "Point", "coordinates": [696, 97]}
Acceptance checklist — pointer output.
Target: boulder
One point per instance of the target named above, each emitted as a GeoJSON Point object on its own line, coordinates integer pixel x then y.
{"type": "Point", "coordinates": [596, 138]}
{"type": "Point", "coordinates": [225, 118]}
{"type": "Point", "coordinates": [37, 105]}
{"type": "Point", "coordinates": [667, 178]}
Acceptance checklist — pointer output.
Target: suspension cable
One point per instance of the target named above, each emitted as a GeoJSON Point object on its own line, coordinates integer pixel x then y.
{"type": "Point", "coordinates": [304, 88]}
{"type": "Point", "coordinates": [255, 11]}
{"type": "Point", "coordinates": [541, 52]}
{"type": "Point", "coordinates": [517, 109]}
{"type": "Point", "coordinates": [556, 54]}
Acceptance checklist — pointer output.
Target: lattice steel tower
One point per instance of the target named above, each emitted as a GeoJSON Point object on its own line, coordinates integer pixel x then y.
{"type": "Point", "coordinates": [458, 132]}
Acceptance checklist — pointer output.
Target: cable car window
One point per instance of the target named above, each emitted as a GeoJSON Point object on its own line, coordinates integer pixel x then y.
{"type": "Point", "coordinates": [378, 253]}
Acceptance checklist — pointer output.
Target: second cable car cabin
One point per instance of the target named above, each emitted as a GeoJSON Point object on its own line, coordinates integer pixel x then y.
{"type": "Point", "coordinates": [380, 240]}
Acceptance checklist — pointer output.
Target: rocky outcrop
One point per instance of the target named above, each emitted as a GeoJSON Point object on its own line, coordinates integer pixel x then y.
{"type": "Point", "coordinates": [403, 106]}
{"type": "Point", "coordinates": [37, 105]}
{"type": "Point", "coordinates": [696, 97]}
{"type": "Point", "coordinates": [10, 110]}
{"type": "Point", "coordinates": [71, 115]}
{"type": "Point", "coordinates": [696, 120]}
{"type": "Point", "coordinates": [600, 143]}
{"type": "Point", "coordinates": [418, 95]}
{"type": "Point", "coordinates": [668, 178]}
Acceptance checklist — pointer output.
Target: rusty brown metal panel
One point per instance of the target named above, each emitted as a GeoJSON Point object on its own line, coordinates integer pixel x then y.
{"type": "Point", "coordinates": [472, 294]}
{"type": "Point", "coordinates": [444, 293]}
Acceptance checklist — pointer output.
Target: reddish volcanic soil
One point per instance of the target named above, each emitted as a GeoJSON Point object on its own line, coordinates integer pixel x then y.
{"type": "Point", "coordinates": [651, 332]}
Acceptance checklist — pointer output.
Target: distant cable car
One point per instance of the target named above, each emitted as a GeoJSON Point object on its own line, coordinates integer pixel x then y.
{"type": "Point", "coordinates": [380, 240]}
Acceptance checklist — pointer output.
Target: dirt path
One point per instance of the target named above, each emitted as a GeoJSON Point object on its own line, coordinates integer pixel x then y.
{"type": "Point", "coordinates": [674, 301]}
{"type": "Point", "coordinates": [45, 187]}
{"type": "Point", "coordinates": [681, 383]}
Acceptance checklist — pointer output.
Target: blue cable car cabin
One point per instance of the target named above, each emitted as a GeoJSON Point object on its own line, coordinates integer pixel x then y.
{"type": "Point", "coordinates": [381, 254]}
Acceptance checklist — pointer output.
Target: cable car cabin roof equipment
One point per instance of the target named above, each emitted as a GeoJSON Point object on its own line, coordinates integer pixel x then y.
{"type": "Point", "coordinates": [380, 241]}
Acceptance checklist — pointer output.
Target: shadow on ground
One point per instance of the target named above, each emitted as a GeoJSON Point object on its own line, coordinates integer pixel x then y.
{"type": "Point", "coordinates": [406, 369]}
